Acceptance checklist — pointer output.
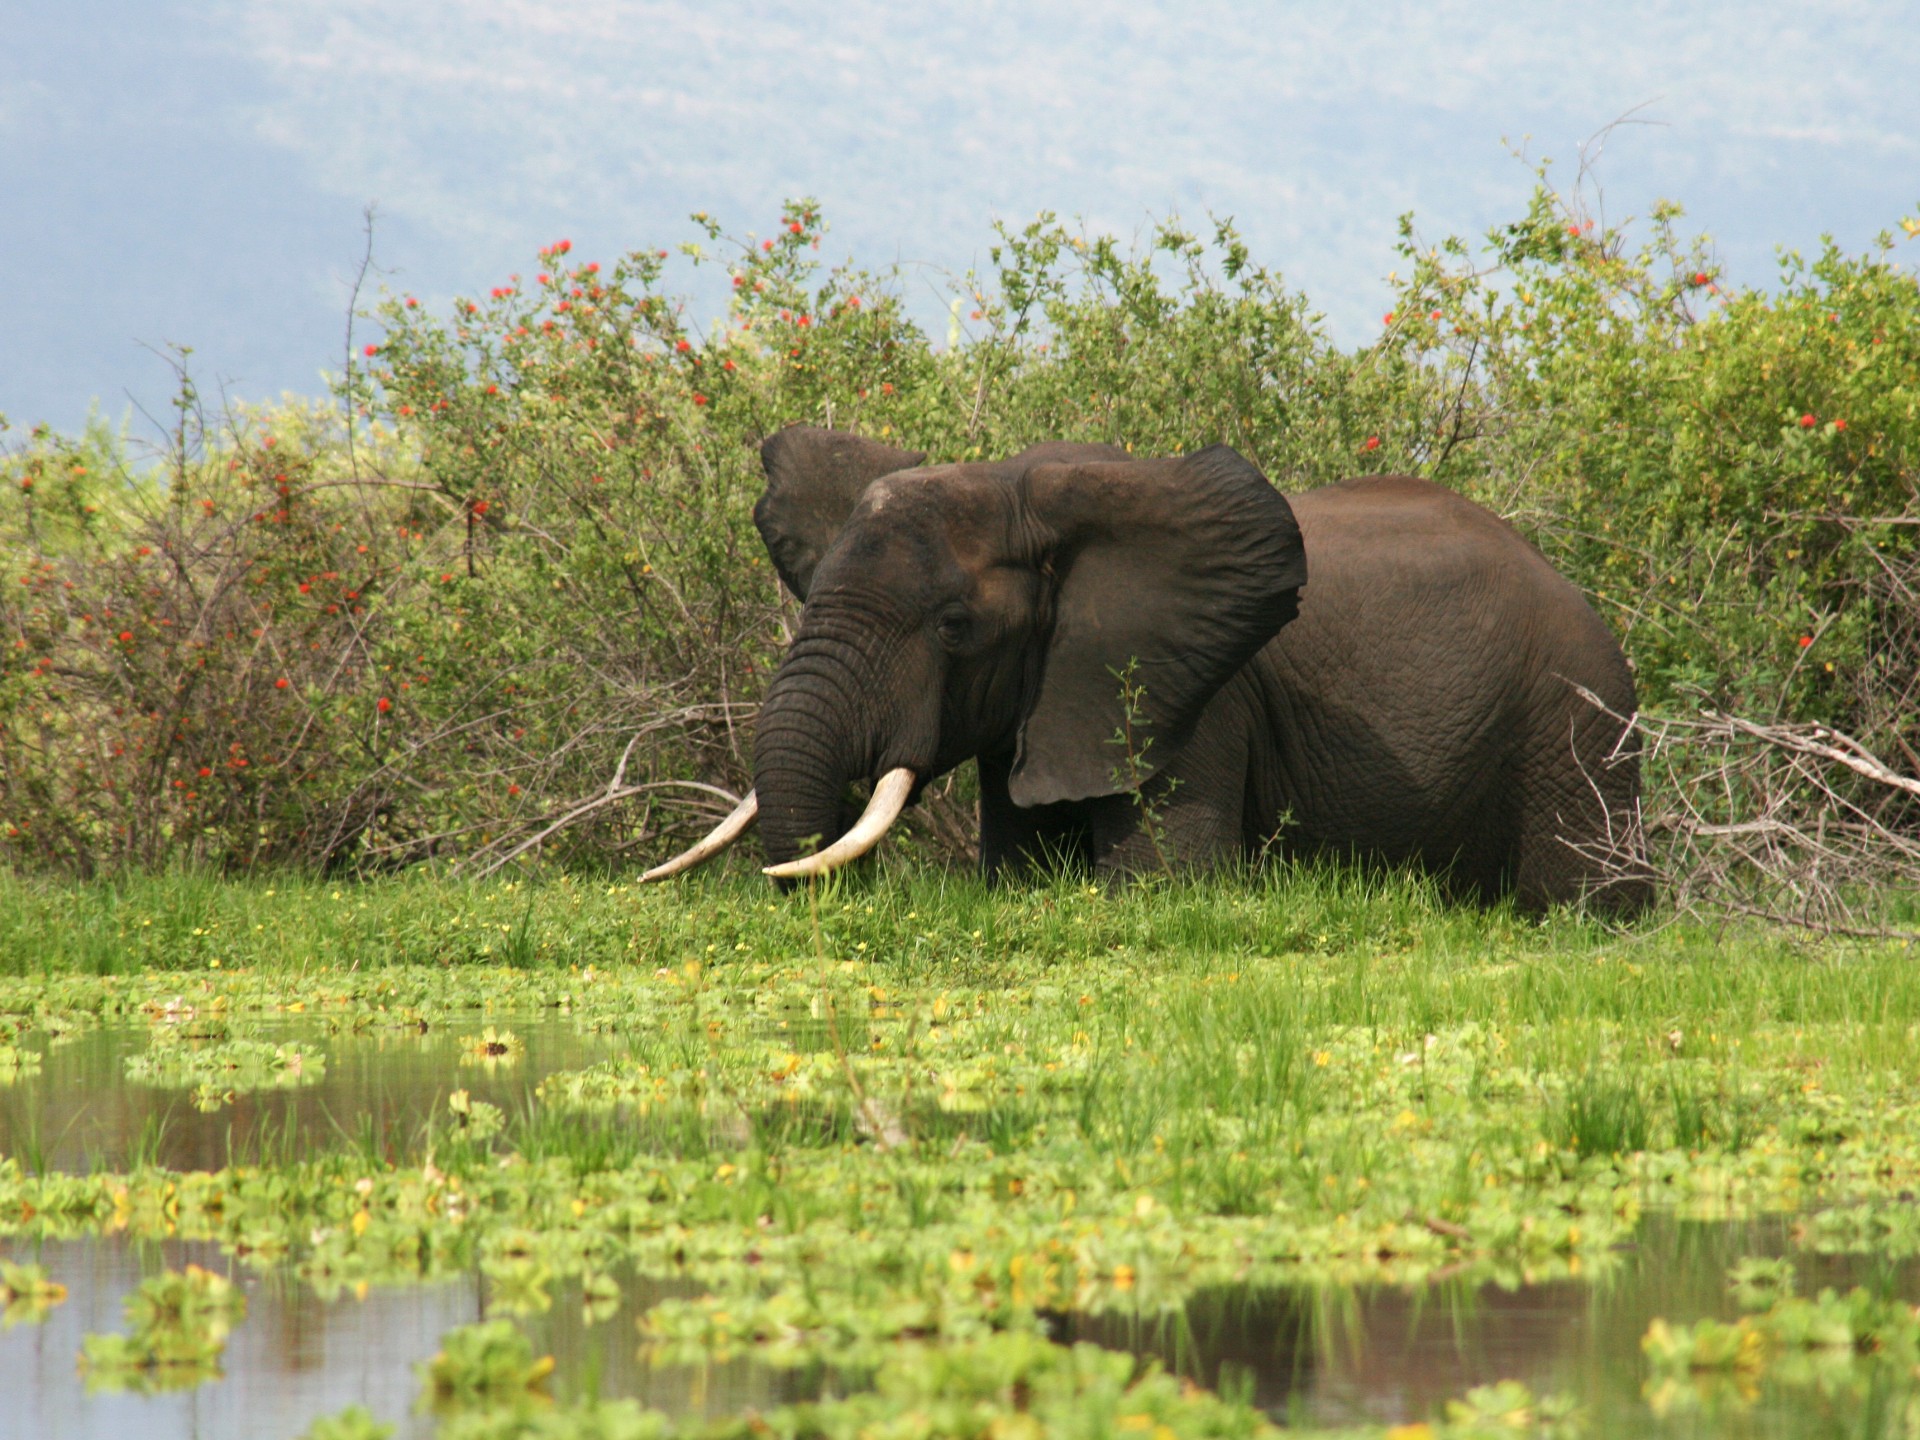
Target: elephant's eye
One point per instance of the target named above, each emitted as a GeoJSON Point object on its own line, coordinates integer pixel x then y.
{"type": "Point", "coordinates": [954, 628]}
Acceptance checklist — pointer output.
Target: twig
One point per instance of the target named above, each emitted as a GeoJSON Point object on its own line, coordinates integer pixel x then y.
{"type": "Point", "coordinates": [599, 802]}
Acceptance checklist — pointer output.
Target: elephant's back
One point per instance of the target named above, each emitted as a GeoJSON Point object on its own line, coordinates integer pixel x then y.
{"type": "Point", "coordinates": [1432, 572]}
{"type": "Point", "coordinates": [1431, 652]}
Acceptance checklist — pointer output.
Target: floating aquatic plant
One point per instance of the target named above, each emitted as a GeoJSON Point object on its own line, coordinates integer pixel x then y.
{"type": "Point", "coordinates": [178, 1327]}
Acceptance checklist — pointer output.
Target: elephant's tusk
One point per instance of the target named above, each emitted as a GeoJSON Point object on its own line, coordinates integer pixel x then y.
{"type": "Point", "coordinates": [889, 799]}
{"type": "Point", "coordinates": [722, 835]}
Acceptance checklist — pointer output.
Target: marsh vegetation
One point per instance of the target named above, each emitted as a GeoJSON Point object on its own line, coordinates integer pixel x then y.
{"type": "Point", "coordinates": [889, 1157]}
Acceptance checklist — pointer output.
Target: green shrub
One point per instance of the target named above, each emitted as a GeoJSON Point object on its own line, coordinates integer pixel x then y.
{"type": "Point", "coordinates": [503, 597]}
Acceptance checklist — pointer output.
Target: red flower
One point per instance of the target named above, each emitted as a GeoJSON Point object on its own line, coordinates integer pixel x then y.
{"type": "Point", "coordinates": [886, 388]}
{"type": "Point", "coordinates": [1805, 641]}
{"type": "Point", "coordinates": [727, 365]}
{"type": "Point", "coordinates": [797, 228]}
{"type": "Point", "coordinates": [282, 683]}
{"type": "Point", "coordinates": [1807, 422]}
{"type": "Point", "coordinates": [1372, 443]}
{"type": "Point", "coordinates": [305, 587]}
{"type": "Point", "coordinates": [1703, 278]}
{"type": "Point", "coordinates": [480, 506]}
{"type": "Point", "coordinates": [1387, 319]}
{"type": "Point", "coordinates": [1839, 424]}
{"type": "Point", "coordinates": [126, 637]}
{"type": "Point", "coordinates": [766, 245]}
{"type": "Point", "coordinates": [683, 346]}
{"type": "Point", "coordinates": [738, 281]}
{"type": "Point", "coordinates": [513, 789]}
{"type": "Point", "coordinates": [493, 389]}
{"type": "Point", "coordinates": [205, 771]}
{"type": "Point", "coordinates": [699, 399]}
{"type": "Point", "coordinates": [373, 350]}
{"type": "Point", "coordinates": [412, 304]}
{"type": "Point", "coordinates": [384, 705]}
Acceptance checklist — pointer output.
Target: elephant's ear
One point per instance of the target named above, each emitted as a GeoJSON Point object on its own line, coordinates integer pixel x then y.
{"type": "Point", "coordinates": [814, 477]}
{"type": "Point", "coordinates": [1182, 568]}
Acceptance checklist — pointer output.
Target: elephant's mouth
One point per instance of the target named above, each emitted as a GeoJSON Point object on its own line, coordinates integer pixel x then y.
{"type": "Point", "coordinates": [889, 798]}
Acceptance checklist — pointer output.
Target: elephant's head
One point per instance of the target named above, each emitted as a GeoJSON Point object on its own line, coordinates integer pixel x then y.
{"type": "Point", "coordinates": [959, 610]}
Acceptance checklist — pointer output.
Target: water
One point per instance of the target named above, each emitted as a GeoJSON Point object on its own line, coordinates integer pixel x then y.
{"type": "Point", "coordinates": [1384, 1355]}
{"type": "Point", "coordinates": [1323, 1356]}
{"type": "Point", "coordinates": [1363, 1355]}
{"type": "Point", "coordinates": [81, 1113]}
{"type": "Point", "coordinates": [296, 1357]}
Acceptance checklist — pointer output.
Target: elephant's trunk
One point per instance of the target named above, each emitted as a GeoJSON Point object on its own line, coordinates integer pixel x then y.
{"type": "Point", "coordinates": [810, 745]}
{"type": "Point", "coordinates": [801, 780]}
{"type": "Point", "coordinates": [830, 718]}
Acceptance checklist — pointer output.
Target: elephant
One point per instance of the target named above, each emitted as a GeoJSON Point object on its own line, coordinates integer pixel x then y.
{"type": "Point", "coordinates": [1133, 653]}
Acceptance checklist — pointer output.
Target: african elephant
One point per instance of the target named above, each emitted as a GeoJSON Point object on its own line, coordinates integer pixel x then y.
{"type": "Point", "coordinates": [1414, 701]}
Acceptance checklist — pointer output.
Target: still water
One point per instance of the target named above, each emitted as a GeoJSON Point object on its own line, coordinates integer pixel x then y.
{"type": "Point", "coordinates": [81, 1113]}
{"type": "Point", "coordinates": [296, 1357]}
{"type": "Point", "coordinates": [1324, 1356]}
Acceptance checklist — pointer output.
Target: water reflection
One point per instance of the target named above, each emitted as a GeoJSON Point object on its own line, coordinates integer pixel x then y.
{"type": "Point", "coordinates": [79, 1112]}
{"type": "Point", "coordinates": [296, 1356]}
{"type": "Point", "coordinates": [1319, 1356]}
{"type": "Point", "coordinates": [1327, 1356]}
{"type": "Point", "coordinates": [1386, 1355]}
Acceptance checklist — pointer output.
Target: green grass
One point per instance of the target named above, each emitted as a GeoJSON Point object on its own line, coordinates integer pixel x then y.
{"type": "Point", "coordinates": [930, 1109]}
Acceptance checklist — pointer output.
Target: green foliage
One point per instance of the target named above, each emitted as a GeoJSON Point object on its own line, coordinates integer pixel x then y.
{"type": "Point", "coordinates": [503, 598]}
{"type": "Point", "coordinates": [1601, 1115]}
{"type": "Point", "coordinates": [220, 1069]}
{"type": "Point", "coordinates": [15, 1062]}
{"type": "Point", "coordinates": [490, 1363]}
{"type": "Point", "coordinates": [1846, 1347]}
{"type": "Point", "coordinates": [1717, 465]}
{"type": "Point", "coordinates": [355, 1422]}
{"type": "Point", "coordinates": [178, 1326]}
{"type": "Point", "coordinates": [27, 1296]}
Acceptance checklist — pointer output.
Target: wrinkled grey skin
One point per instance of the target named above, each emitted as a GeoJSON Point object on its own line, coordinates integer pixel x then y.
{"type": "Point", "coordinates": [1411, 701]}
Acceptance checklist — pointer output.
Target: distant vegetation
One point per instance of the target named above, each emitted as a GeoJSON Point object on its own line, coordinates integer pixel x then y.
{"type": "Point", "coordinates": [504, 586]}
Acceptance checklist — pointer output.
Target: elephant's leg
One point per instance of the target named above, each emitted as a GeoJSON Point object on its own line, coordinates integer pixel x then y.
{"type": "Point", "coordinates": [1191, 816]}
{"type": "Point", "coordinates": [1013, 839]}
{"type": "Point", "coordinates": [1579, 837]}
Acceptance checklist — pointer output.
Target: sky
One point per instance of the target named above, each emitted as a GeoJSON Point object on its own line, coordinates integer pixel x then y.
{"type": "Point", "coordinates": [197, 172]}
